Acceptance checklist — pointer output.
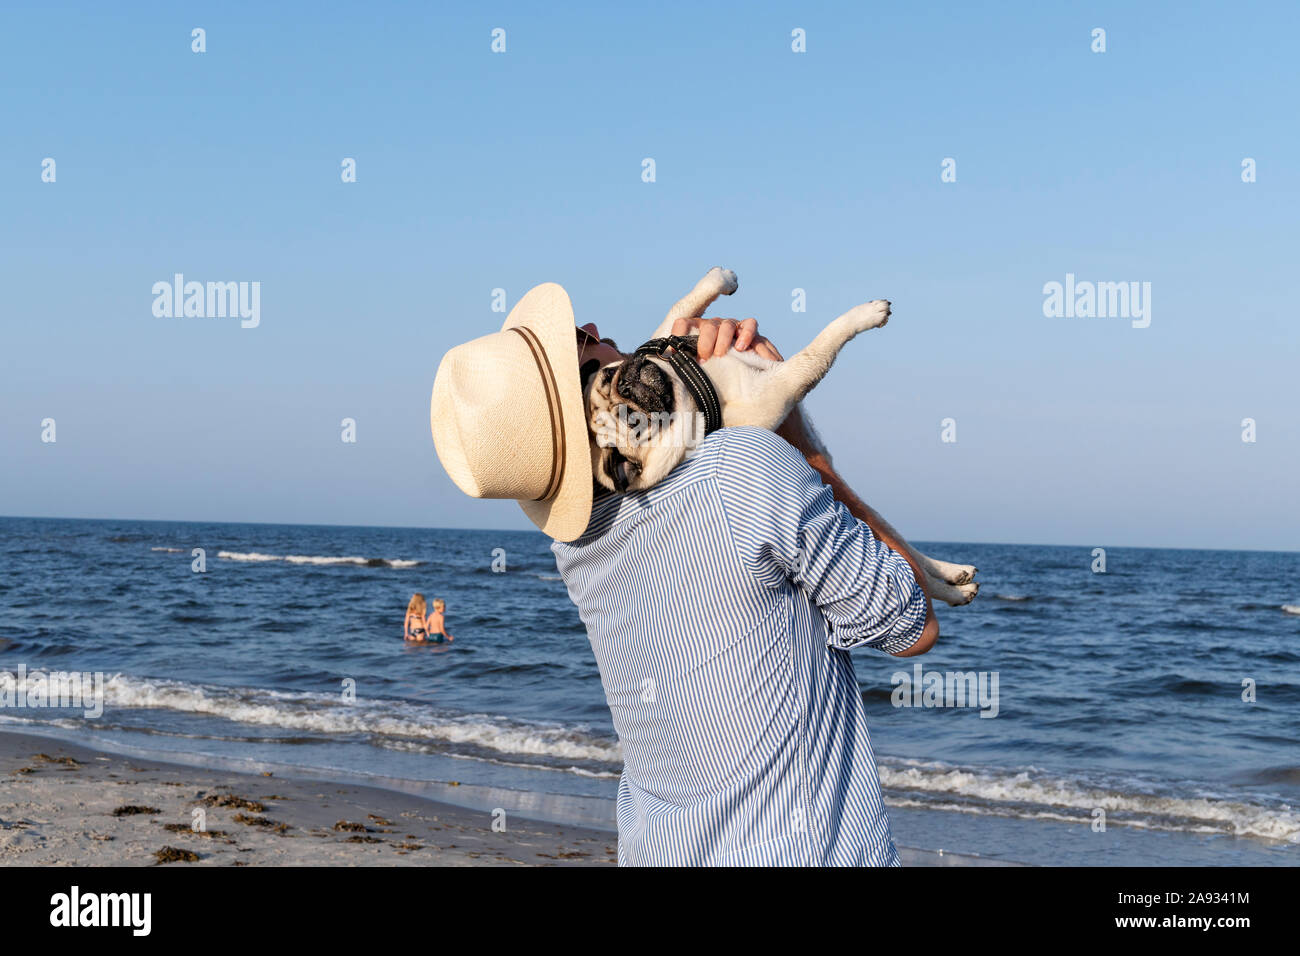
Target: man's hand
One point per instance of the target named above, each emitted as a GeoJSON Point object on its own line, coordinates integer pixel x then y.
{"type": "Point", "coordinates": [718, 336]}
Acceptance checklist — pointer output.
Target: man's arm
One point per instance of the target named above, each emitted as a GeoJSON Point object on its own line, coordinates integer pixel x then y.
{"type": "Point", "coordinates": [716, 336]}
{"type": "Point", "coordinates": [795, 430]}
{"type": "Point", "coordinates": [786, 527]}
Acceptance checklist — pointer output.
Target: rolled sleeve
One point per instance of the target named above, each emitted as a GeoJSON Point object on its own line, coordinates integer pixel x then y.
{"type": "Point", "coordinates": [788, 527]}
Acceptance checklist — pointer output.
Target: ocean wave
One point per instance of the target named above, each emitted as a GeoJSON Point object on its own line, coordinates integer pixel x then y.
{"type": "Point", "coordinates": [1011, 597]}
{"type": "Point", "coordinates": [170, 550]}
{"type": "Point", "coordinates": [326, 714]}
{"type": "Point", "coordinates": [601, 769]}
{"type": "Point", "coordinates": [316, 559]}
{"type": "Point", "coordinates": [1035, 794]}
{"type": "Point", "coordinates": [399, 725]}
{"type": "Point", "coordinates": [1287, 775]}
{"type": "Point", "coordinates": [1291, 608]}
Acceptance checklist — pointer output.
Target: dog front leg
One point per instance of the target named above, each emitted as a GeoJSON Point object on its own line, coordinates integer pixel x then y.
{"type": "Point", "coordinates": [716, 282]}
{"type": "Point", "coordinates": [787, 383]}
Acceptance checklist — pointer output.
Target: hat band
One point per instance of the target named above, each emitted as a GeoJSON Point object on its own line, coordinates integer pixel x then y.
{"type": "Point", "coordinates": [553, 406]}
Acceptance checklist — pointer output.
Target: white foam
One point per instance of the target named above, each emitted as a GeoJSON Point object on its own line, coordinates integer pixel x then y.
{"type": "Point", "coordinates": [409, 746]}
{"type": "Point", "coordinates": [324, 560]}
{"type": "Point", "coordinates": [316, 559]}
{"type": "Point", "coordinates": [1291, 608]}
{"type": "Point", "coordinates": [171, 550]}
{"type": "Point", "coordinates": [326, 714]}
{"type": "Point", "coordinates": [1024, 793]}
{"type": "Point", "coordinates": [1040, 795]}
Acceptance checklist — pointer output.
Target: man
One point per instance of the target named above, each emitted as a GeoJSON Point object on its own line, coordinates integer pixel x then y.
{"type": "Point", "coordinates": [721, 604]}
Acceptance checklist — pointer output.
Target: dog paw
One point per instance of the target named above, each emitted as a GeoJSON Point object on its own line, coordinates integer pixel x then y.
{"type": "Point", "coordinates": [873, 315]}
{"type": "Point", "coordinates": [954, 595]}
{"type": "Point", "coordinates": [878, 310]}
{"type": "Point", "coordinates": [726, 280]}
{"type": "Point", "coordinates": [953, 573]}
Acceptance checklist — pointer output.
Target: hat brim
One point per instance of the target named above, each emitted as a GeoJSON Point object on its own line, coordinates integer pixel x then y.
{"type": "Point", "coordinates": [547, 311]}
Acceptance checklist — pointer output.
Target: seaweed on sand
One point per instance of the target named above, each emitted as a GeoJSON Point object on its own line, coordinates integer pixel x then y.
{"type": "Point", "coordinates": [171, 854]}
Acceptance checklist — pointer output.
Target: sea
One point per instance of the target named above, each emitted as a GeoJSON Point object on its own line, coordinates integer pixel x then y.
{"type": "Point", "coordinates": [1146, 713]}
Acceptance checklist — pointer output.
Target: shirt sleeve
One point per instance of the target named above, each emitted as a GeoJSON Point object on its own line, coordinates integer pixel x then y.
{"type": "Point", "coordinates": [787, 527]}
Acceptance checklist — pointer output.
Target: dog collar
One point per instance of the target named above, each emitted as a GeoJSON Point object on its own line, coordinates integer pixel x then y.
{"type": "Point", "coordinates": [679, 352]}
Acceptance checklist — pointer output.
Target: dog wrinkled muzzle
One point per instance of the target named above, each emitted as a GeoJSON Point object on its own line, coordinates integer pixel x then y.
{"type": "Point", "coordinates": [646, 385]}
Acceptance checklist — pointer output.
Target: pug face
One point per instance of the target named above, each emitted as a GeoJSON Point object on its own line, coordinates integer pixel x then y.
{"type": "Point", "coordinates": [642, 422]}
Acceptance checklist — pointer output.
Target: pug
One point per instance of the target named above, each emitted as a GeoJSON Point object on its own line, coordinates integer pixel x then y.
{"type": "Point", "coordinates": [649, 411]}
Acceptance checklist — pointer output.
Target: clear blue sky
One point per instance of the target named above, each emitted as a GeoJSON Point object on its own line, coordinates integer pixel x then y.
{"type": "Point", "coordinates": [818, 170]}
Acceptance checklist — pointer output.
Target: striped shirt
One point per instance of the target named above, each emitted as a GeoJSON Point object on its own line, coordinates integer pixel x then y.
{"type": "Point", "coordinates": [721, 605]}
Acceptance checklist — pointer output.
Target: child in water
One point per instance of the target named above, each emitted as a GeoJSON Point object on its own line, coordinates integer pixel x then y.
{"type": "Point", "coordinates": [435, 627]}
{"type": "Point", "coordinates": [413, 628]}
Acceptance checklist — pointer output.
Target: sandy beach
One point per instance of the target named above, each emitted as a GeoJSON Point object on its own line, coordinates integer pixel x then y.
{"type": "Point", "coordinates": [66, 805]}
{"type": "Point", "coordinates": [61, 804]}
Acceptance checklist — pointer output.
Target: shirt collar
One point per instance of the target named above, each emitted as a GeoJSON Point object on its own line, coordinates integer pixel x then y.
{"type": "Point", "coordinates": [609, 508]}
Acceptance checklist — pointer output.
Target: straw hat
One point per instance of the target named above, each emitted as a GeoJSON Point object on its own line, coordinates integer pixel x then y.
{"type": "Point", "coordinates": [508, 418]}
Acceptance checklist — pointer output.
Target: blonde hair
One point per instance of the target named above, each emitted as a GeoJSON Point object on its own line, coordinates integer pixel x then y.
{"type": "Point", "coordinates": [439, 604]}
{"type": "Point", "coordinates": [416, 605]}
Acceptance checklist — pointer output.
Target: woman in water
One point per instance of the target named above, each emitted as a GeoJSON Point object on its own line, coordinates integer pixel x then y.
{"type": "Point", "coordinates": [436, 629]}
{"type": "Point", "coordinates": [413, 628]}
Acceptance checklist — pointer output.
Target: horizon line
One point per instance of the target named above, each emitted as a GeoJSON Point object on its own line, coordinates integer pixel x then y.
{"type": "Point", "coordinates": [400, 527]}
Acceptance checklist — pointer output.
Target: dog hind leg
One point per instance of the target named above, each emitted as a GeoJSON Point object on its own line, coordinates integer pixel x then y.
{"type": "Point", "coordinates": [951, 583]}
{"type": "Point", "coordinates": [954, 595]}
{"type": "Point", "coordinates": [945, 570]}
